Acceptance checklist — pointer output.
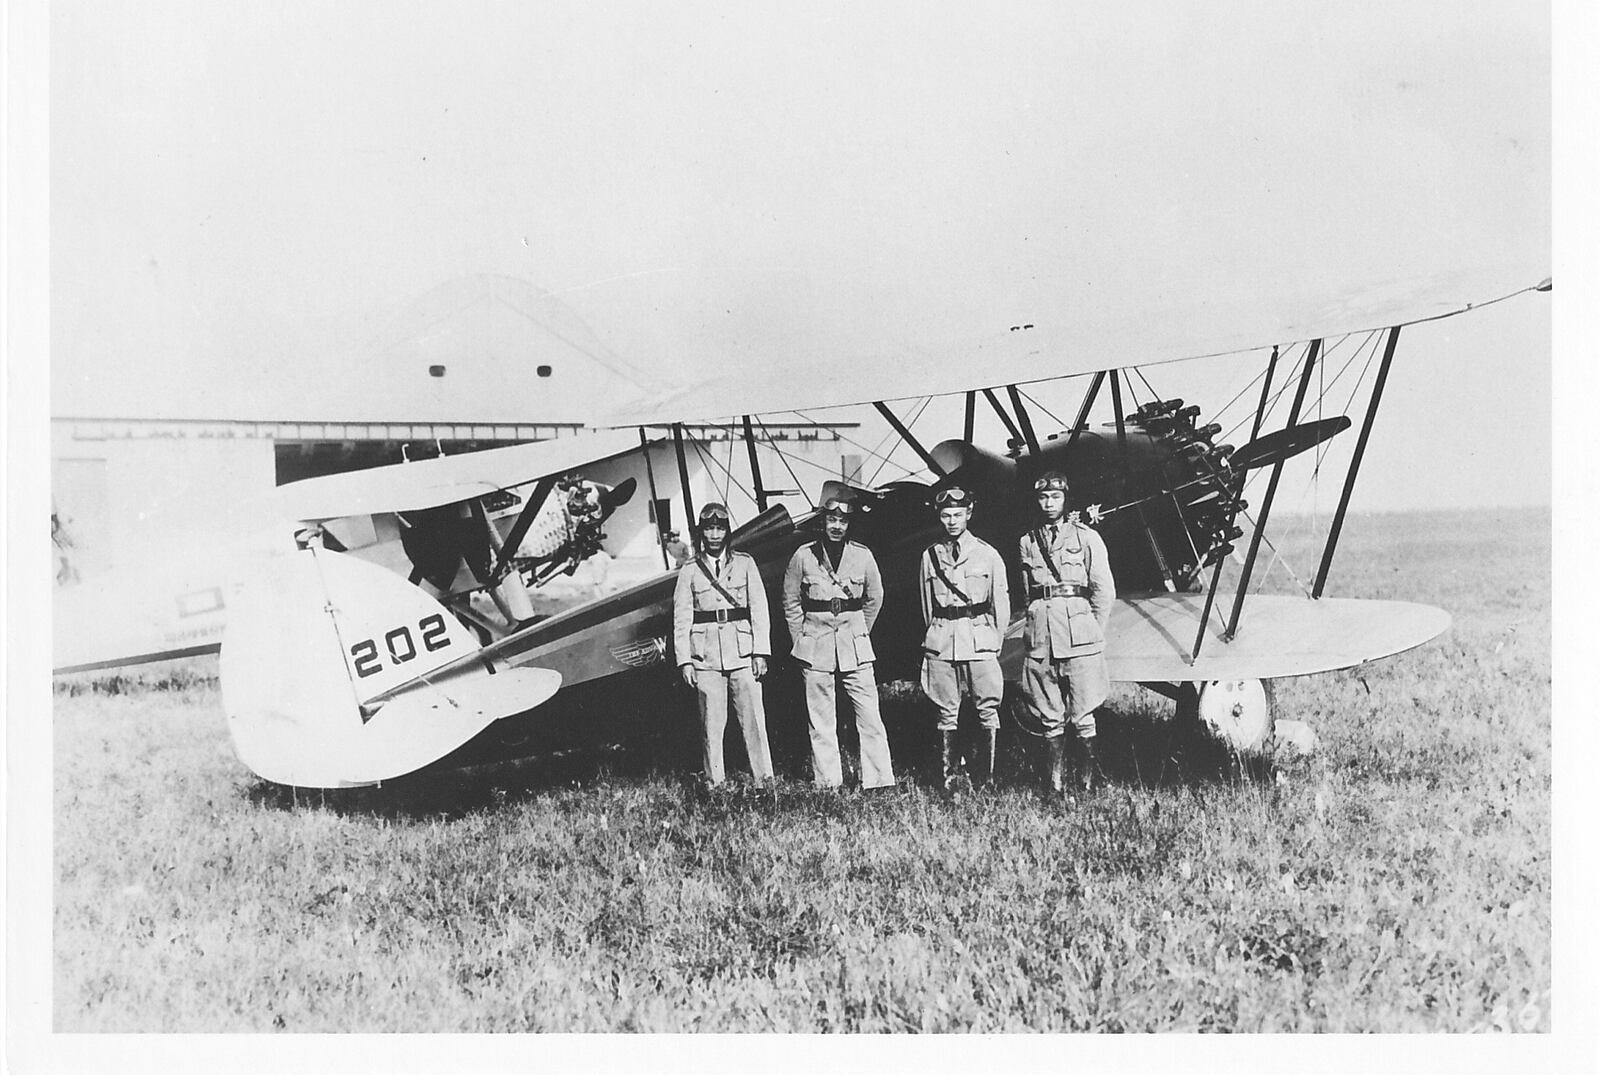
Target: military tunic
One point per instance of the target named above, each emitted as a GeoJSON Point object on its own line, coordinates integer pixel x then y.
{"type": "Point", "coordinates": [720, 648]}
{"type": "Point", "coordinates": [835, 643]}
{"type": "Point", "coordinates": [1065, 675]}
{"type": "Point", "coordinates": [961, 648]}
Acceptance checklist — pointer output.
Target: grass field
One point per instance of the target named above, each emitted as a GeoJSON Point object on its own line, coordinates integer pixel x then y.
{"type": "Point", "coordinates": [1398, 879]}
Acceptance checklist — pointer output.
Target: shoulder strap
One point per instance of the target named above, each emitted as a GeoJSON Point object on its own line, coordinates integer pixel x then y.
{"type": "Point", "coordinates": [700, 562]}
{"type": "Point", "coordinates": [821, 555]}
{"type": "Point", "coordinates": [938, 569]}
{"type": "Point", "coordinates": [1044, 550]}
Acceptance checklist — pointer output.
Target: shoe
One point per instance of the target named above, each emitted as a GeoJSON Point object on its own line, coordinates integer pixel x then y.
{"type": "Point", "coordinates": [949, 758]}
{"type": "Point", "coordinates": [1089, 774]}
{"type": "Point", "coordinates": [1051, 782]}
{"type": "Point", "coordinates": [983, 761]}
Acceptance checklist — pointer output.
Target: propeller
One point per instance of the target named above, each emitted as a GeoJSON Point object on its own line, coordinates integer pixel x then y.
{"type": "Point", "coordinates": [613, 498]}
{"type": "Point", "coordinates": [1286, 443]}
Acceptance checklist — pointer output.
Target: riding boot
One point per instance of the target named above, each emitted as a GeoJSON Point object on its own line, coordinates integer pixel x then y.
{"type": "Point", "coordinates": [949, 757]}
{"type": "Point", "coordinates": [1050, 784]}
{"type": "Point", "coordinates": [1089, 774]}
{"type": "Point", "coordinates": [983, 760]}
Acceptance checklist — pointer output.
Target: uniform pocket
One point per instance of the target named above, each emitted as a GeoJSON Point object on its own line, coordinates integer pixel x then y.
{"type": "Point", "coordinates": [864, 649]}
{"type": "Point", "coordinates": [747, 638]}
{"type": "Point", "coordinates": [804, 646]}
{"type": "Point", "coordinates": [985, 639]}
{"type": "Point", "coordinates": [1083, 626]}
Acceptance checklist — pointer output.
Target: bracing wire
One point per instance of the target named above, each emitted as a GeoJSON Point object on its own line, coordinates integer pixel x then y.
{"type": "Point", "coordinates": [783, 458]}
{"type": "Point", "coordinates": [1308, 494]}
{"type": "Point", "coordinates": [1277, 558]}
{"type": "Point", "coordinates": [1048, 413]}
{"type": "Point", "coordinates": [910, 425]}
{"type": "Point", "coordinates": [1237, 396]}
{"type": "Point", "coordinates": [1272, 402]}
{"type": "Point", "coordinates": [872, 452]}
{"type": "Point", "coordinates": [832, 473]}
{"type": "Point", "coordinates": [730, 482]}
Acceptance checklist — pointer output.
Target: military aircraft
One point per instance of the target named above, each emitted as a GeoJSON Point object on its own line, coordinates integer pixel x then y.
{"type": "Point", "coordinates": [340, 669]}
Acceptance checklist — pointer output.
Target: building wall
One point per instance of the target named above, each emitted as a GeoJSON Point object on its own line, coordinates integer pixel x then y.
{"type": "Point", "coordinates": [131, 495]}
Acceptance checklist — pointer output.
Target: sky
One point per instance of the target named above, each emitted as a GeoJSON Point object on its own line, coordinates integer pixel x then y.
{"type": "Point", "coordinates": [712, 186]}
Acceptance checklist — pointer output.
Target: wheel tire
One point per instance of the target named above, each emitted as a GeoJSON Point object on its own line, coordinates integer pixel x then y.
{"type": "Point", "coordinates": [1231, 722]}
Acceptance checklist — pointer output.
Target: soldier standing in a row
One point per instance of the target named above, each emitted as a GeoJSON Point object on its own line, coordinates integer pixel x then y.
{"type": "Point", "coordinates": [1070, 594]}
{"type": "Point", "coordinates": [722, 639]}
{"type": "Point", "coordinates": [832, 593]}
{"type": "Point", "coordinates": [966, 606]}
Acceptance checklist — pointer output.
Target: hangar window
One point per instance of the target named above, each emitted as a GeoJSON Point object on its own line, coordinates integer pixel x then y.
{"type": "Point", "coordinates": [543, 371]}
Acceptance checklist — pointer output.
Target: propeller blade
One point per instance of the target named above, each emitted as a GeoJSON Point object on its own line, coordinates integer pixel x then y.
{"type": "Point", "coordinates": [618, 495]}
{"type": "Point", "coordinates": [1286, 443]}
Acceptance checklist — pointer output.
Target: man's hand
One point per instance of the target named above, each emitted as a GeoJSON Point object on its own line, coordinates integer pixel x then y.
{"type": "Point", "coordinates": [758, 666]}
{"type": "Point", "coordinates": [687, 672]}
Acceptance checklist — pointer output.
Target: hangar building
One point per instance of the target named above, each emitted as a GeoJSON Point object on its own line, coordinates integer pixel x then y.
{"type": "Point", "coordinates": [141, 472]}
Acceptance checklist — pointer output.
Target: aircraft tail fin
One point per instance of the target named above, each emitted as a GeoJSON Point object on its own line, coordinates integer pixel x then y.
{"type": "Point", "coordinates": [334, 674]}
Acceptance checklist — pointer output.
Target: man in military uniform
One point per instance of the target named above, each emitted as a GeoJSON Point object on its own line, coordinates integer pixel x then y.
{"type": "Point", "coordinates": [832, 593]}
{"type": "Point", "coordinates": [966, 606]}
{"type": "Point", "coordinates": [722, 639]}
{"type": "Point", "coordinates": [1070, 593]}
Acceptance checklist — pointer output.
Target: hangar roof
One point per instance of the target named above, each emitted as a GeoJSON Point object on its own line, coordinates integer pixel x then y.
{"type": "Point", "coordinates": [482, 348]}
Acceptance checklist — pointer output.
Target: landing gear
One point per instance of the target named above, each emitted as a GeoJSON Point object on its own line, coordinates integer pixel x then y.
{"type": "Point", "coordinates": [1235, 716]}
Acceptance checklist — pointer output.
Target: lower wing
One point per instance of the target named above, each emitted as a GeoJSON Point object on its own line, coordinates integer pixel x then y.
{"type": "Point", "coordinates": [1152, 639]}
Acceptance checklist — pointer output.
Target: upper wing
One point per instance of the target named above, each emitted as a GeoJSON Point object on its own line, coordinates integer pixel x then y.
{"type": "Point", "coordinates": [430, 483]}
{"type": "Point", "coordinates": [1089, 333]}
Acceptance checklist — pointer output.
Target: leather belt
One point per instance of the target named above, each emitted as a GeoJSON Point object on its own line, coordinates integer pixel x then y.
{"type": "Point", "coordinates": [834, 605]}
{"type": "Point", "coordinates": [961, 612]}
{"type": "Point", "coordinates": [1063, 589]}
{"type": "Point", "coordinates": [721, 615]}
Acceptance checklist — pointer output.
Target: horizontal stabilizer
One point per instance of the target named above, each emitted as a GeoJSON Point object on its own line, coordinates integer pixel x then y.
{"type": "Point", "coordinates": [310, 643]}
{"type": "Point", "coordinates": [1150, 638]}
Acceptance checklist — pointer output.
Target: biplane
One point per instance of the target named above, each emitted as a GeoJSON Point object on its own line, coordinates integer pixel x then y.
{"type": "Point", "coordinates": [357, 652]}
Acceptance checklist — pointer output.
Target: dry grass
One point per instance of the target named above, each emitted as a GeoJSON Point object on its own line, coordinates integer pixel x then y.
{"type": "Point", "coordinates": [1398, 880]}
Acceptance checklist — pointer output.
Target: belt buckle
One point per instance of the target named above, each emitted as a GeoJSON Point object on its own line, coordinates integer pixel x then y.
{"type": "Point", "coordinates": [835, 605]}
{"type": "Point", "coordinates": [722, 615]}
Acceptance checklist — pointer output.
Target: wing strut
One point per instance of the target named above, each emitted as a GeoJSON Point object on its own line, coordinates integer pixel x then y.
{"type": "Point", "coordinates": [755, 467]}
{"type": "Point", "coordinates": [683, 478]}
{"type": "Point", "coordinates": [1011, 427]}
{"type": "Point", "coordinates": [1138, 510]}
{"type": "Point", "coordinates": [1083, 410]}
{"type": "Point", "coordinates": [1216, 573]}
{"type": "Point", "coordinates": [1266, 390]}
{"type": "Point", "coordinates": [1239, 487]}
{"type": "Point", "coordinates": [1116, 408]}
{"type": "Point", "coordinates": [1272, 489]}
{"type": "Point", "coordinates": [655, 499]}
{"type": "Point", "coordinates": [1355, 463]}
{"type": "Point", "coordinates": [519, 529]}
{"type": "Point", "coordinates": [972, 406]}
{"type": "Point", "coordinates": [1023, 420]}
{"type": "Point", "coordinates": [916, 445]}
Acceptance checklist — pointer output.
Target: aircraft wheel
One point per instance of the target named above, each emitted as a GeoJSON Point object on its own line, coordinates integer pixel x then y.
{"type": "Point", "coordinates": [1237, 715]}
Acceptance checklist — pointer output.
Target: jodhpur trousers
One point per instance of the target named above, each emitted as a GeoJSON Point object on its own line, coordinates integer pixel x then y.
{"type": "Point", "coordinates": [946, 682]}
{"type": "Point", "coordinates": [1062, 692]}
